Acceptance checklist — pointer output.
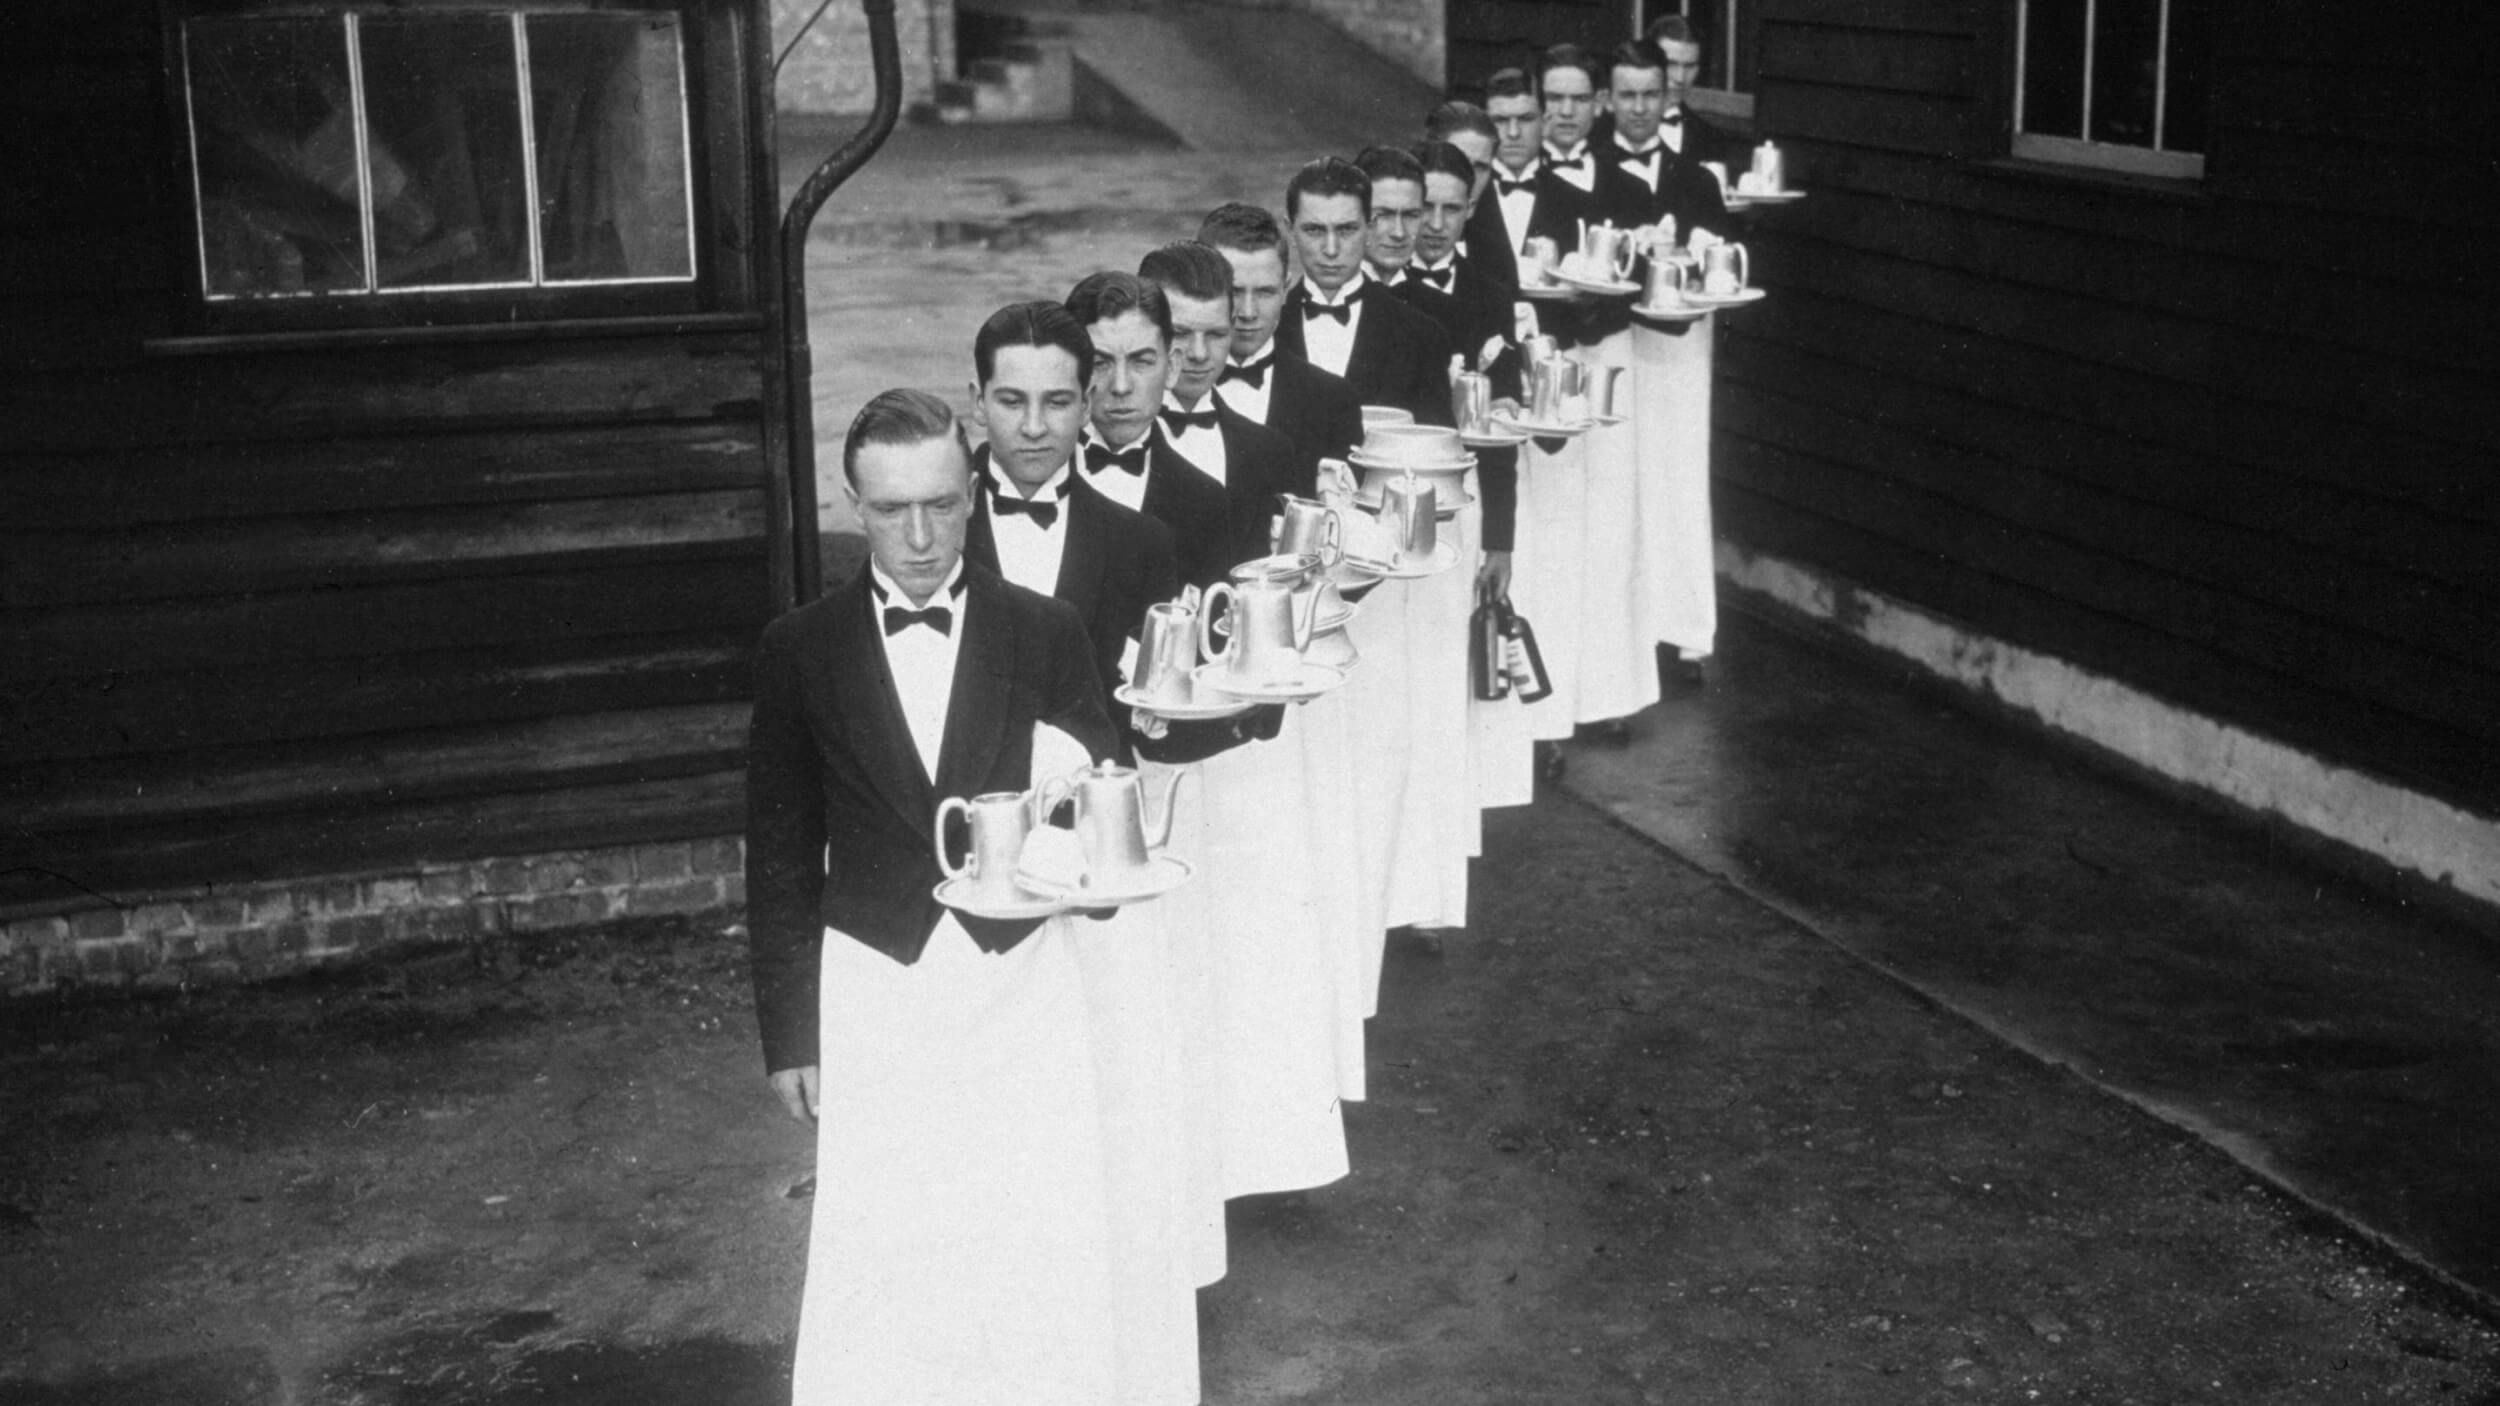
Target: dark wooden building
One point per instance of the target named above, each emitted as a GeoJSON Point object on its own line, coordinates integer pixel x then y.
{"type": "Point", "coordinates": [2157, 336]}
{"type": "Point", "coordinates": [387, 475]}
{"type": "Point", "coordinates": [2177, 366]}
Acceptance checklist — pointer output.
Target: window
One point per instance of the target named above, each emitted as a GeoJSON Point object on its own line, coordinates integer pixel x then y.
{"type": "Point", "coordinates": [372, 154]}
{"type": "Point", "coordinates": [1726, 82]}
{"type": "Point", "coordinates": [2118, 84]}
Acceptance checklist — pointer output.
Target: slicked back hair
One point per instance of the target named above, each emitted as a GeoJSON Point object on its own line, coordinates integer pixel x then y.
{"type": "Point", "coordinates": [1034, 325]}
{"type": "Point", "coordinates": [1567, 56]}
{"type": "Point", "coordinates": [1330, 175]}
{"type": "Point", "coordinates": [1637, 54]}
{"type": "Point", "coordinates": [1104, 297]}
{"type": "Point", "coordinates": [1443, 159]}
{"type": "Point", "coordinates": [1240, 226]}
{"type": "Point", "coordinates": [1510, 83]}
{"type": "Point", "coordinates": [1190, 269]}
{"type": "Point", "coordinates": [1451, 118]}
{"type": "Point", "coordinates": [1389, 163]}
{"type": "Point", "coordinates": [897, 418]}
{"type": "Point", "coordinates": [1673, 29]}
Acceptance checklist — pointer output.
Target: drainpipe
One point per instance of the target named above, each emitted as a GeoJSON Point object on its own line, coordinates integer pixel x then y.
{"type": "Point", "coordinates": [885, 56]}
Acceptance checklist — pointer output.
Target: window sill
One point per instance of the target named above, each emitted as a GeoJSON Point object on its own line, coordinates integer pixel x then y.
{"type": "Point", "coordinates": [2176, 190]}
{"type": "Point", "coordinates": [357, 338]}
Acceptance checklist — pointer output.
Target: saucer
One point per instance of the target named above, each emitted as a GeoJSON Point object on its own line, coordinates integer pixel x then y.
{"type": "Point", "coordinates": [1162, 874]}
{"type": "Point", "coordinates": [956, 893]}
{"type": "Point", "coordinates": [1310, 681]}
{"type": "Point", "coordinates": [1548, 292]}
{"type": "Point", "coordinates": [1444, 556]}
{"type": "Point", "coordinates": [1680, 313]}
{"type": "Point", "coordinates": [1497, 439]}
{"type": "Point", "coordinates": [1421, 469]}
{"type": "Point", "coordinates": [1736, 299]}
{"type": "Point", "coordinates": [1607, 287]}
{"type": "Point", "coordinates": [1199, 708]}
{"type": "Point", "coordinates": [1768, 197]}
{"type": "Point", "coordinates": [1535, 430]}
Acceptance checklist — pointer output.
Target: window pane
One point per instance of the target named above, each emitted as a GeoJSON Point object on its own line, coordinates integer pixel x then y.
{"type": "Point", "coordinates": [2191, 76]}
{"type": "Point", "coordinates": [274, 142]}
{"type": "Point", "coordinates": [443, 108]}
{"type": "Point", "coordinates": [2126, 46]}
{"type": "Point", "coordinates": [2053, 68]}
{"type": "Point", "coordinates": [608, 99]}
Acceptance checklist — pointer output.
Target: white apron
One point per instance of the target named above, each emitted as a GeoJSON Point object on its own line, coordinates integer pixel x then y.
{"type": "Point", "coordinates": [1617, 664]}
{"type": "Point", "coordinates": [1130, 970]}
{"type": "Point", "coordinates": [1547, 574]}
{"type": "Point", "coordinates": [1278, 880]}
{"type": "Point", "coordinates": [1671, 383]}
{"type": "Point", "coordinates": [961, 1247]}
{"type": "Point", "coordinates": [1189, 917]}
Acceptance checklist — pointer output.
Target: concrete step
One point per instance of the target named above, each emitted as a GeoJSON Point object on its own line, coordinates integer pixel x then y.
{"type": "Point", "coordinates": [1219, 78]}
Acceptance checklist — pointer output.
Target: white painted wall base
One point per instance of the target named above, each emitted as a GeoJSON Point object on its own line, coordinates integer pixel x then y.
{"type": "Point", "coordinates": [2416, 834]}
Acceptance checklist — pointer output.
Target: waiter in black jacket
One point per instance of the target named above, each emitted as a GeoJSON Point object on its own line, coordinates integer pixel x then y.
{"type": "Point", "coordinates": [1267, 383]}
{"type": "Point", "coordinates": [1249, 461]}
{"type": "Point", "coordinates": [1336, 318]}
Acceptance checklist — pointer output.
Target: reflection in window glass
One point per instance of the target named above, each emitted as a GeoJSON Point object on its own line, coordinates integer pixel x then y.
{"type": "Point", "coordinates": [366, 152]}
{"type": "Point", "coordinates": [2053, 68]}
{"type": "Point", "coordinates": [443, 117]}
{"type": "Point", "coordinates": [2190, 76]}
{"type": "Point", "coordinates": [2126, 70]}
{"type": "Point", "coordinates": [275, 144]}
{"type": "Point", "coordinates": [608, 100]}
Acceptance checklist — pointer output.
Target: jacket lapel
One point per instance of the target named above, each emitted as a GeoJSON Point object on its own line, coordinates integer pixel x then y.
{"type": "Point", "coordinates": [871, 708]}
{"type": "Point", "coordinates": [980, 544]}
{"type": "Point", "coordinates": [1082, 558]}
{"type": "Point", "coordinates": [976, 716]}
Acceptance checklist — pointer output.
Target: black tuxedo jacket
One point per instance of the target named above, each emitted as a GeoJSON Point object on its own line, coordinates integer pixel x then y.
{"type": "Point", "coordinates": [1191, 505]}
{"type": "Point", "coordinates": [1487, 242]}
{"type": "Point", "coordinates": [1560, 205]}
{"type": "Point", "coordinates": [1316, 412]}
{"type": "Point", "coordinates": [839, 810]}
{"type": "Point", "coordinates": [1259, 463]}
{"type": "Point", "coordinates": [1115, 563]}
{"type": "Point", "coordinates": [1470, 314]}
{"type": "Point", "coordinates": [1685, 191]}
{"type": "Point", "coordinates": [1705, 140]}
{"type": "Point", "coordinates": [1399, 358]}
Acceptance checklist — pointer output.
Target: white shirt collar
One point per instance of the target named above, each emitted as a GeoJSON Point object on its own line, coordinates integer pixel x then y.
{"type": "Point", "coordinates": [886, 591]}
{"type": "Point", "coordinates": [1345, 291]}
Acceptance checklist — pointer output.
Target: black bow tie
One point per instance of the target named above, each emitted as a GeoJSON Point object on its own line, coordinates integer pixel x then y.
{"type": "Point", "coordinates": [1507, 186]}
{"type": "Point", "coordinates": [1575, 163]}
{"type": "Point", "coordinates": [1439, 280]}
{"type": "Point", "coordinates": [1131, 460]}
{"type": "Point", "coordinates": [1315, 310]}
{"type": "Point", "coordinates": [937, 617]}
{"type": "Point", "coordinates": [1254, 374]}
{"type": "Point", "coordinates": [1647, 153]}
{"type": "Point", "coordinates": [1043, 511]}
{"type": "Point", "coordinates": [1177, 421]}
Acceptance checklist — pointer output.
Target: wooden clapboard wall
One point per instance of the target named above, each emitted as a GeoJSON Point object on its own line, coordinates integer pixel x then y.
{"type": "Point", "coordinates": [293, 604]}
{"type": "Point", "coordinates": [2230, 441]}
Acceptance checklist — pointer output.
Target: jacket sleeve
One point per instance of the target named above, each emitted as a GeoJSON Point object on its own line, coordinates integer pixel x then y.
{"type": "Point", "coordinates": [785, 861]}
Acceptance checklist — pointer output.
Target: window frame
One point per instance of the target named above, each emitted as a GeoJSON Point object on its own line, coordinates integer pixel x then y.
{"type": "Point", "coordinates": [1729, 102]}
{"type": "Point", "coordinates": [2082, 152]}
{"type": "Point", "coordinates": [710, 93]}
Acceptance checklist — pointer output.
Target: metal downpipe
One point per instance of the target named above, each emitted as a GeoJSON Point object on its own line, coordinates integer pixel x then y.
{"type": "Point", "coordinates": [885, 56]}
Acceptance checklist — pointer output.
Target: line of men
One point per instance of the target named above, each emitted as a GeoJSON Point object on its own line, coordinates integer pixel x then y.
{"type": "Point", "coordinates": [1028, 1128]}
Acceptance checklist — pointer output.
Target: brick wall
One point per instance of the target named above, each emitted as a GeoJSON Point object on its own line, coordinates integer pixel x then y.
{"type": "Point", "coordinates": [829, 71]}
{"type": "Point", "coordinates": [248, 932]}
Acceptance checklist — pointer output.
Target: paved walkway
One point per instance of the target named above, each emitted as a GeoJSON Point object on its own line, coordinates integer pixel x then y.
{"type": "Point", "coordinates": [2340, 1044]}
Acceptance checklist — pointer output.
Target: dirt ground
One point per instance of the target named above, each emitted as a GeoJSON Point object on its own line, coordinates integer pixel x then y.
{"type": "Point", "coordinates": [1635, 1138]}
